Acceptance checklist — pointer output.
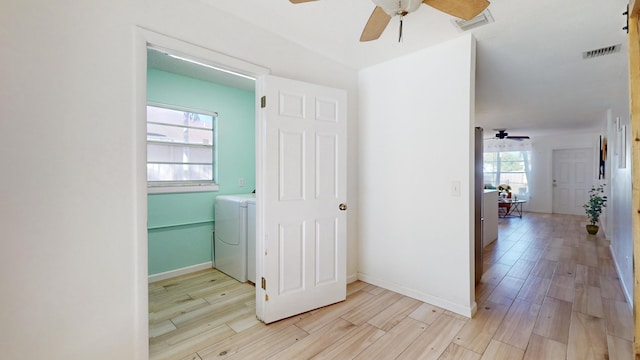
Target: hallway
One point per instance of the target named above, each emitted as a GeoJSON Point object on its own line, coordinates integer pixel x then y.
{"type": "Point", "coordinates": [560, 286]}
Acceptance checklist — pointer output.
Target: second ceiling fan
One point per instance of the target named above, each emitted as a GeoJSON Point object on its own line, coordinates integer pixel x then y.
{"type": "Point", "coordinates": [386, 9]}
{"type": "Point", "coordinates": [503, 134]}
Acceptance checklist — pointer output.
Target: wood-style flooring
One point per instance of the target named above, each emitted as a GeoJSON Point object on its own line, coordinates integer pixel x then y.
{"type": "Point", "coordinates": [549, 291]}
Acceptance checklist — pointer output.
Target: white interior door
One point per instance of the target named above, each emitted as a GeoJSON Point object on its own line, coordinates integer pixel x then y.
{"type": "Point", "coordinates": [572, 179]}
{"type": "Point", "coordinates": [302, 184]}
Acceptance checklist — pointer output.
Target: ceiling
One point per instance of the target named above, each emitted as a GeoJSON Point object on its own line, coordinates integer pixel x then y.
{"type": "Point", "coordinates": [161, 60]}
{"type": "Point", "coordinates": [531, 77]}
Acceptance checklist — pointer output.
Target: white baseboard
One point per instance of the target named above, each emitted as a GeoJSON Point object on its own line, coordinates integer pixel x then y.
{"type": "Point", "coordinates": [627, 293]}
{"type": "Point", "coordinates": [352, 278]}
{"type": "Point", "coordinates": [181, 271]}
{"type": "Point", "coordinates": [467, 311]}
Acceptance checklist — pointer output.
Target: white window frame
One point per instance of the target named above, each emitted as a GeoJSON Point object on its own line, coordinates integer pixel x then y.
{"type": "Point", "coordinates": [164, 187]}
{"type": "Point", "coordinates": [498, 170]}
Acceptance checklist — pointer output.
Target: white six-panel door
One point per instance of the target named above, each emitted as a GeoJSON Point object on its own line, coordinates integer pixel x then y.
{"type": "Point", "coordinates": [302, 184]}
{"type": "Point", "coordinates": [572, 179]}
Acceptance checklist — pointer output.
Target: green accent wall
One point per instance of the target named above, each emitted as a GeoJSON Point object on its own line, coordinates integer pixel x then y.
{"type": "Point", "coordinates": [180, 225]}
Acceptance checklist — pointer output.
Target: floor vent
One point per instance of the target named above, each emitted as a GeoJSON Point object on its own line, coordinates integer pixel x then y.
{"type": "Point", "coordinates": [601, 52]}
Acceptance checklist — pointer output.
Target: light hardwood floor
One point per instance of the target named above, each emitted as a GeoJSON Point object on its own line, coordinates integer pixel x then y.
{"type": "Point", "coordinates": [549, 291]}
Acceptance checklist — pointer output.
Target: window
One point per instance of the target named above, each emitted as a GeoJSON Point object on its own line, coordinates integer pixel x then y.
{"type": "Point", "coordinates": [508, 167]}
{"type": "Point", "coordinates": [180, 149]}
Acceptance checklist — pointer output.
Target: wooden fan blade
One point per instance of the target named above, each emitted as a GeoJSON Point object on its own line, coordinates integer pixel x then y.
{"type": "Point", "coordinates": [463, 9]}
{"type": "Point", "coordinates": [299, 1]}
{"type": "Point", "coordinates": [378, 21]}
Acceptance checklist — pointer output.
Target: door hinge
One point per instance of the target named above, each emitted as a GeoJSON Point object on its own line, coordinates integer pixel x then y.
{"type": "Point", "coordinates": [266, 297]}
{"type": "Point", "coordinates": [264, 284]}
{"type": "Point", "coordinates": [263, 102]}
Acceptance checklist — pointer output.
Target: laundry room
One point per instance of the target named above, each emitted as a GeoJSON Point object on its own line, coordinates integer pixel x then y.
{"type": "Point", "coordinates": [181, 224]}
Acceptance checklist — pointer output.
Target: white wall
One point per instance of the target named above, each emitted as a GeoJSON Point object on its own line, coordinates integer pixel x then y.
{"type": "Point", "coordinates": [540, 185]}
{"type": "Point", "coordinates": [416, 138]}
{"type": "Point", "coordinates": [73, 212]}
{"type": "Point", "coordinates": [619, 206]}
{"type": "Point", "coordinates": [68, 263]}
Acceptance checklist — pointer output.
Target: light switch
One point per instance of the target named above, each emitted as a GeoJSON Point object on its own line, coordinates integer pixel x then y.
{"type": "Point", "coordinates": [455, 188]}
{"type": "Point", "coordinates": [240, 182]}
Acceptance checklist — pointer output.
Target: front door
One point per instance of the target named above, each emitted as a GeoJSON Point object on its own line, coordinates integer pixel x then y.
{"type": "Point", "coordinates": [302, 185]}
{"type": "Point", "coordinates": [572, 179]}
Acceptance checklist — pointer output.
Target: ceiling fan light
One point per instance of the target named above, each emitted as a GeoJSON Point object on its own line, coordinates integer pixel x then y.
{"type": "Point", "coordinates": [395, 7]}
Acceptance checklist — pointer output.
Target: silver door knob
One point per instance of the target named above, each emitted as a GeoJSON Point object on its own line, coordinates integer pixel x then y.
{"type": "Point", "coordinates": [342, 207]}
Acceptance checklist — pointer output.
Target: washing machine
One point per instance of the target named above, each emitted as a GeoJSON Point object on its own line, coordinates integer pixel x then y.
{"type": "Point", "coordinates": [230, 240]}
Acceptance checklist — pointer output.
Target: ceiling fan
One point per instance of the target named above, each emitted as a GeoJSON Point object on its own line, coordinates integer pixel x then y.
{"type": "Point", "coordinates": [385, 9]}
{"type": "Point", "coordinates": [503, 134]}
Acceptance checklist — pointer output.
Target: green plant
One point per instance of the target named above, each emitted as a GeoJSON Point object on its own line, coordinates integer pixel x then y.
{"type": "Point", "coordinates": [597, 201]}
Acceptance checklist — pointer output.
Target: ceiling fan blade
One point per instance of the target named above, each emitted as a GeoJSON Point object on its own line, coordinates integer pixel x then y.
{"type": "Point", "coordinates": [463, 9]}
{"type": "Point", "coordinates": [299, 1]}
{"type": "Point", "coordinates": [378, 21]}
{"type": "Point", "coordinates": [518, 137]}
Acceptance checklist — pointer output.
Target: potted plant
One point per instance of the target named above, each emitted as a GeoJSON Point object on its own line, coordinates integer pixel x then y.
{"type": "Point", "coordinates": [593, 208]}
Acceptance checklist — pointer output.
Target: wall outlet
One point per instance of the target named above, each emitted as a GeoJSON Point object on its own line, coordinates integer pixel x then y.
{"type": "Point", "coordinates": [241, 182]}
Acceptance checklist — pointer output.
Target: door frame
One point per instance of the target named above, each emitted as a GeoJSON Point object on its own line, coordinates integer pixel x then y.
{"type": "Point", "coordinates": [634, 116]}
{"type": "Point", "coordinates": [143, 38]}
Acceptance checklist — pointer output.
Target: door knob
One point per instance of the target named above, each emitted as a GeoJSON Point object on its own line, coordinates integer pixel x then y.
{"type": "Point", "coordinates": [342, 207]}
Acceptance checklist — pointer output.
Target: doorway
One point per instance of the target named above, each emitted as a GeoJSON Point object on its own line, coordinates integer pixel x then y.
{"type": "Point", "coordinates": [196, 220]}
{"type": "Point", "coordinates": [279, 144]}
{"type": "Point", "coordinates": [572, 178]}
{"type": "Point", "coordinates": [191, 165]}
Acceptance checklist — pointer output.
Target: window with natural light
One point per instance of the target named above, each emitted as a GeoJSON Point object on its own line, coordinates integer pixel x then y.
{"type": "Point", "coordinates": [508, 167]}
{"type": "Point", "coordinates": [180, 149]}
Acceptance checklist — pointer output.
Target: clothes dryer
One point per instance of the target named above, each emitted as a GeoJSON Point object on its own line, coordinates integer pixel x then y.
{"type": "Point", "coordinates": [230, 240]}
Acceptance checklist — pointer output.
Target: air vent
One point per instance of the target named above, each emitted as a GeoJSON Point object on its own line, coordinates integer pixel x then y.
{"type": "Point", "coordinates": [483, 18]}
{"type": "Point", "coordinates": [601, 52]}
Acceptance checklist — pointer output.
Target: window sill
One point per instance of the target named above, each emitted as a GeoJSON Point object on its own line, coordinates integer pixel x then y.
{"type": "Point", "coordinates": [180, 188]}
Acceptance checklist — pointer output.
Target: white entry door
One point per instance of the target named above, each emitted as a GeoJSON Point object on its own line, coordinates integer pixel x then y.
{"type": "Point", "coordinates": [572, 178]}
{"type": "Point", "coordinates": [302, 194]}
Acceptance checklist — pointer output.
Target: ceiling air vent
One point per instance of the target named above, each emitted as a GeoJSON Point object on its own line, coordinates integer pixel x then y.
{"type": "Point", "coordinates": [601, 52]}
{"type": "Point", "coordinates": [483, 18]}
